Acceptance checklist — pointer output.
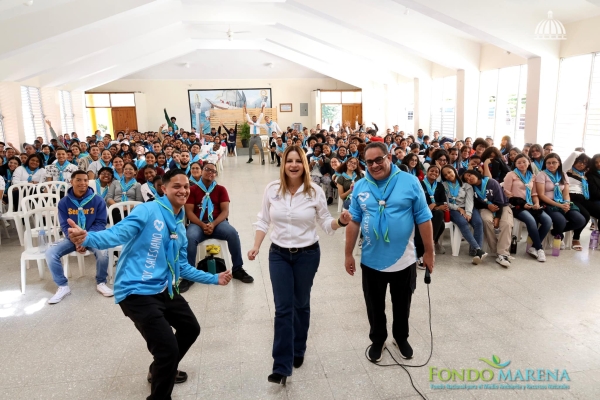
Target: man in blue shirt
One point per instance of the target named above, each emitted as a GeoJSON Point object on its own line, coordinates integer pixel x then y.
{"type": "Point", "coordinates": [154, 256]}
{"type": "Point", "coordinates": [386, 205]}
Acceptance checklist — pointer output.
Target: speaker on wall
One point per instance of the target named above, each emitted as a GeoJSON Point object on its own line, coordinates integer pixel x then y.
{"type": "Point", "coordinates": [304, 109]}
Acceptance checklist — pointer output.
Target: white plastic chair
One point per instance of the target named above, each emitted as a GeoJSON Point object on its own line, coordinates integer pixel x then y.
{"type": "Point", "coordinates": [224, 253]}
{"type": "Point", "coordinates": [122, 207]}
{"type": "Point", "coordinates": [517, 229]}
{"type": "Point", "coordinates": [46, 218]}
{"type": "Point", "coordinates": [39, 200]}
{"type": "Point", "coordinates": [23, 189]}
{"type": "Point", "coordinates": [265, 141]}
{"type": "Point", "coordinates": [54, 187]}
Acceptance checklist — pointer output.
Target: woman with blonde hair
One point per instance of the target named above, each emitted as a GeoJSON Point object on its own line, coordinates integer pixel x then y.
{"type": "Point", "coordinates": [294, 205]}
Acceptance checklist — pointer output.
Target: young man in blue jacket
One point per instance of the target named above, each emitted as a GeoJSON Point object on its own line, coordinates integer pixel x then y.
{"type": "Point", "coordinates": [153, 259]}
{"type": "Point", "coordinates": [88, 211]}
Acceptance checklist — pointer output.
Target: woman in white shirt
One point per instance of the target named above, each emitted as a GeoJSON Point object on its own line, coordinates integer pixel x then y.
{"type": "Point", "coordinates": [31, 171]}
{"type": "Point", "coordinates": [294, 205]}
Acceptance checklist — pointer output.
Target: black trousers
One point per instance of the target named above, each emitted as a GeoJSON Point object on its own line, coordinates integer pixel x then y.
{"type": "Point", "coordinates": [587, 208]}
{"type": "Point", "coordinates": [438, 225]}
{"type": "Point", "coordinates": [154, 316]}
{"type": "Point", "coordinates": [401, 288]}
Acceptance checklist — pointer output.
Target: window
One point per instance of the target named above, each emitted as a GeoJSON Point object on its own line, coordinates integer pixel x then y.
{"type": "Point", "coordinates": [443, 106]}
{"type": "Point", "coordinates": [33, 115]}
{"type": "Point", "coordinates": [501, 109]}
{"type": "Point", "coordinates": [591, 140]}
{"type": "Point", "coordinates": [571, 103]}
{"type": "Point", "coordinates": [331, 97]}
{"type": "Point", "coordinates": [66, 112]}
{"type": "Point", "coordinates": [351, 97]}
{"type": "Point", "coordinates": [122, 100]}
{"type": "Point", "coordinates": [97, 100]}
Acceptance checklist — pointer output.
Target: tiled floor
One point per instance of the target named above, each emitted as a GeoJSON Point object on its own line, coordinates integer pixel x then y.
{"type": "Point", "coordinates": [535, 315]}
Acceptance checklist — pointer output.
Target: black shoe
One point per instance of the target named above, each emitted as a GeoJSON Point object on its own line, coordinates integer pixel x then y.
{"type": "Point", "coordinates": [249, 161]}
{"type": "Point", "coordinates": [263, 162]}
{"type": "Point", "coordinates": [277, 378]}
{"type": "Point", "coordinates": [179, 378]}
{"type": "Point", "coordinates": [375, 352]}
{"type": "Point", "coordinates": [479, 256]}
{"type": "Point", "coordinates": [298, 361]}
{"type": "Point", "coordinates": [242, 275]}
{"type": "Point", "coordinates": [329, 200]}
{"type": "Point", "coordinates": [279, 165]}
{"type": "Point", "coordinates": [184, 285]}
{"type": "Point", "coordinates": [405, 350]}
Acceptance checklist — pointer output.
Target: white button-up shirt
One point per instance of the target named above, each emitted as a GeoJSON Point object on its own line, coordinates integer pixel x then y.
{"type": "Point", "coordinates": [254, 126]}
{"type": "Point", "coordinates": [294, 218]}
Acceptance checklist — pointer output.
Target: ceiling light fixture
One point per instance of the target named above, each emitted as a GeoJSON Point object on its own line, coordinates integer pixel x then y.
{"type": "Point", "coordinates": [406, 11]}
{"type": "Point", "coordinates": [28, 3]}
{"type": "Point", "coordinates": [271, 65]}
{"type": "Point", "coordinates": [187, 65]}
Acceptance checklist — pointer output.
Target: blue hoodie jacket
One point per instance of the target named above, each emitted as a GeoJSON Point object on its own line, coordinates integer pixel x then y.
{"type": "Point", "coordinates": [142, 267]}
{"type": "Point", "coordinates": [95, 212]}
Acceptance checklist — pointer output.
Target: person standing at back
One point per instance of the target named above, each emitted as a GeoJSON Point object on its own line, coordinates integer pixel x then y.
{"type": "Point", "coordinates": [386, 204]}
{"type": "Point", "coordinates": [255, 139]}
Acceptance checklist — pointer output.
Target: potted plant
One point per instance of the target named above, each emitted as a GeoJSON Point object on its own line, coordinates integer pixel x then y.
{"type": "Point", "coordinates": [245, 134]}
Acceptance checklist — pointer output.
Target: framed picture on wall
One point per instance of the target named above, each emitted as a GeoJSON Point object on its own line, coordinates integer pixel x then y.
{"type": "Point", "coordinates": [285, 107]}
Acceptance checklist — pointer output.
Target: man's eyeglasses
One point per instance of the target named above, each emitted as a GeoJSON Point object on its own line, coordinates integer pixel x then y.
{"type": "Point", "coordinates": [378, 161]}
{"type": "Point", "coordinates": [210, 170]}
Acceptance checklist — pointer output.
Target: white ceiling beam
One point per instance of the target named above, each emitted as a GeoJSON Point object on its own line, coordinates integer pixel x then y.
{"type": "Point", "coordinates": [387, 27]}
{"type": "Point", "coordinates": [128, 68]}
{"type": "Point", "coordinates": [31, 29]}
{"type": "Point", "coordinates": [58, 51]}
{"type": "Point", "coordinates": [126, 51]}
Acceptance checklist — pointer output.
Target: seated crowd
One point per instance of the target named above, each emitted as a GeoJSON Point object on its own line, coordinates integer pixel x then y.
{"type": "Point", "coordinates": [481, 188]}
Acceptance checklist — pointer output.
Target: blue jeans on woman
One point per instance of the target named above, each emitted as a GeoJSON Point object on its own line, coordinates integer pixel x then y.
{"type": "Point", "coordinates": [536, 234]}
{"type": "Point", "coordinates": [474, 239]}
{"type": "Point", "coordinates": [564, 222]}
{"type": "Point", "coordinates": [292, 277]}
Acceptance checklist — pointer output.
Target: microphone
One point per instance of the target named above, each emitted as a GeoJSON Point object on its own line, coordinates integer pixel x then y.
{"type": "Point", "coordinates": [427, 276]}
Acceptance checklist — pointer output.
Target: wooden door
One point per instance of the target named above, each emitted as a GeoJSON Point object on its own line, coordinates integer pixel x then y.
{"type": "Point", "coordinates": [123, 118]}
{"type": "Point", "coordinates": [350, 111]}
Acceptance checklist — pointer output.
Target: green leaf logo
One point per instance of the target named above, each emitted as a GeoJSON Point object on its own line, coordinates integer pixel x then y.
{"type": "Point", "coordinates": [495, 363]}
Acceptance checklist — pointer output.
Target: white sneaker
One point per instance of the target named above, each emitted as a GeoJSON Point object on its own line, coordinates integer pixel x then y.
{"type": "Point", "coordinates": [541, 256]}
{"type": "Point", "coordinates": [420, 264]}
{"type": "Point", "coordinates": [562, 245]}
{"type": "Point", "coordinates": [61, 293]}
{"type": "Point", "coordinates": [105, 290]}
{"type": "Point", "coordinates": [503, 260]}
{"type": "Point", "coordinates": [533, 252]}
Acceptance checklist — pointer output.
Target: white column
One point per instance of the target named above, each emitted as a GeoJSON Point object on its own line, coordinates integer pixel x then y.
{"type": "Point", "coordinates": [467, 94]}
{"type": "Point", "coordinates": [542, 84]}
{"type": "Point", "coordinates": [51, 108]}
{"type": "Point", "coordinates": [422, 107]}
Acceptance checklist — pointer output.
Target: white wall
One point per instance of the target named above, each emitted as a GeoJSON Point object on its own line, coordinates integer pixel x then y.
{"type": "Point", "coordinates": [582, 37]}
{"type": "Point", "coordinates": [493, 57]}
{"type": "Point", "coordinates": [173, 95]}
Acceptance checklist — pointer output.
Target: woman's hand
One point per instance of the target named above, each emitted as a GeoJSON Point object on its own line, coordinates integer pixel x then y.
{"type": "Point", "coordinates": [443, 207]}
{"type": "Point", "coordinates": [566, 207]}
{"type": "Point", "coordinates": [345, 217]}
{"type": "Point", "coordinates": [432, 206]}
{"type": "Point", "coordinates": [253, 253]}
{"type": "Point", "coordinates": [528, 206]}
{"type": "Point", "coordinates": [536, 206]}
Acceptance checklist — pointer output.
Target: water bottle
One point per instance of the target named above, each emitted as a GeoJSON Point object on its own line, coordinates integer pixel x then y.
{"type": "Point", "coordinates": [42, 241]}
{"type": "Point", "coordinates": [556, 245]}
{"type": "Point", "coordinates": [211, 265]}
{"type": "Point", "coordinates": [447, 214]}
{"type": "Point", "coordinates": [513, 245]}
{"type": "Point", "coordinates": [594, 239]}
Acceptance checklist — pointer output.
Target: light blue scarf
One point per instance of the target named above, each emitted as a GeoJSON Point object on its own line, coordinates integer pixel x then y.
{"type": "Point", "coordinates": [61, 169]}
{"type": "Point", "coordinates": [526, 179]}
{"type": "Point", "coordinates": [80, 204]}
{"type": "Point", "coordinates": [125, 187]}
{"type": "Point", "coordinates": [99, 190]}
{"type": "Point", "coordinates": [584, 183]}
{"type": "Point", "coordinates": [172, 221]}
{"type": "Point", "coordinates": [207, 205]}
{"type": "Point", "coordinates": [555, 178]}
{"type": "Point", "coordinates": [104, 164]}
{"type": "Point", "coordinates": [381, 221]}
{"type": "Point", "coordinates": [430, 189]}
{"type": "Point", "coordinates": [31, 173]}
{"type": "Point", "coordinates": [480, 191]}
{"type": "Point", "coordinates": [350, 178]}
{"type": "Point", "coordinates": [454, 190]}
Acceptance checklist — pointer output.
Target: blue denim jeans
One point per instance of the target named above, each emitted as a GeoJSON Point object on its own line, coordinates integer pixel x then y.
{"type": "Point", "coordinates": [536, 234]}
{"type": "Point", "coordinates": [64, 247]}
{"type": "Point", "coordinates": [223, 231]}
{"type": "Point", "coordinates": [475, 239]}
{"type": "Point", "coordinates": [292, 277]}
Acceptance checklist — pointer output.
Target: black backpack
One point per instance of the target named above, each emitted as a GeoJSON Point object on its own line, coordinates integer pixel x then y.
{"type": "Point", "coordinates": [219, 264]}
